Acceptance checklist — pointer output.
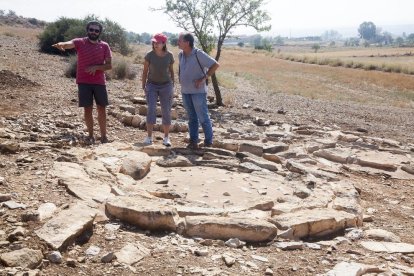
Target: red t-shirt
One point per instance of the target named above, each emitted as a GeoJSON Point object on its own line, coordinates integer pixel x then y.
{"type": "Point", "coordinates": [90, 54]}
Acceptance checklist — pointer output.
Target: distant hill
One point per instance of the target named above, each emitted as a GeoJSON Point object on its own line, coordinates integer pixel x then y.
{"type": "Point", "coordinates": [12, 19]}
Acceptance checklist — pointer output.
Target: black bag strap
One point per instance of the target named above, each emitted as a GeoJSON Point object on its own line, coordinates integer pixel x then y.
{"type": "Point", "coordinates": [180, 54]}
{"type": "Point", "coordinates": [201, 67]}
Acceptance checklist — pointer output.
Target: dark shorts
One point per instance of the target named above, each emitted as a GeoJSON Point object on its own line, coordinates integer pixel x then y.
{"type": "Point", "coordinates": [88, 92]}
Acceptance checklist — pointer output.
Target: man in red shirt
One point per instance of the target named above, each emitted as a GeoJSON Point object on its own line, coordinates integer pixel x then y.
{"type": "Point", "coordinates": [94, 57]}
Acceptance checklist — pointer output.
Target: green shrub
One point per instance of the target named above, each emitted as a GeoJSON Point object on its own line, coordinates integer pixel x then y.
{"type": "Point", "coordinates": [65, 29]}
{"type": "Point", "coordinates": [121, 69]}
{"type": "Point", "coordinates": [115, 36]}
{"type": "Point", "coordinates": [397, 68]}
{"type": "Point", "coordinates": [357, 65]}
{"type": "Point", "coordinates": [370, 67]}
{"type": "Point", "coordinates": [323, 61]}
{"type": "Point", "coordinates": [70, 71]}
{"type": "Point", "coordinates": [386, 67]}
{"type": "Point", "coordinates": [139, 59]}
{"type": "Point", "coordinates": [349, 64]}
{"type": "Point", "coordinates": [58, 31]}
{"type": "Point", "coordinates": [336, 62]}
{"type": "Point", "coordinates": [405, 70]}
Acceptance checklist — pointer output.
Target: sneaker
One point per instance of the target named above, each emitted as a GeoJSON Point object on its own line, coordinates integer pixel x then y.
{"type": "Point", "coordinates": [193, 146]}
{"type": "Point", "coordinates": [104, 140]}
{"type": "Point", "coordinates": [90, 140]}
{"type": "Point", "coordinates": [208, 145]}
{"type": "Point", "coordinates": [166, 142]}
{"type": "Point", "coordinates": [148, 141]}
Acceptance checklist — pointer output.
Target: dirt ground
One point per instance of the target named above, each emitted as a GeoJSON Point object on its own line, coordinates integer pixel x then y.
{"type": "Point", "coordinates": [38, 100]}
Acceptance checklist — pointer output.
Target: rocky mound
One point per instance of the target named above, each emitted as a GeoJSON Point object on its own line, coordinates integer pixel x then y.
{"type": "Point", "coordinates": [9, 79]}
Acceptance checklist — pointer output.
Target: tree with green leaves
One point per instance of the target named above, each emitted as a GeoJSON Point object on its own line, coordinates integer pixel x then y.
{"type": "Point", "coordinates": [399, 41]}
{"type": "Point", "coordinates": [367, 30]}
{"type": "Point", "coordinates": [316, 47]}
{"type": "Point", "coordinates": [211, 21]}
{"type": "Point", "coordinates": [410, 39]}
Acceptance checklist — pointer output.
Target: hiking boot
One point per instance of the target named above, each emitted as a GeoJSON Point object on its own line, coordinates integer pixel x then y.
{"type": "Point", "coordinates": [104, 140]}
{"type": "Point", "coordinates": [166, 142]}
{"type": "Point", "coordinates": [193, 146]}
{"type": "Point", "coordinates": [208, 145]}
{"type": "Point", "coordinates": [148, 141]}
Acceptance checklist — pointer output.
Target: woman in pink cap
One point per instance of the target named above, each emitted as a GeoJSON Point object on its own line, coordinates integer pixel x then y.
{"type": "Point", "coordinates": [158, 82]}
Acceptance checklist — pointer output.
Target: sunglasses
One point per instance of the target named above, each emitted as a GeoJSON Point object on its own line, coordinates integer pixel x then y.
{"type": "Point", "coordinates": [92, 30]}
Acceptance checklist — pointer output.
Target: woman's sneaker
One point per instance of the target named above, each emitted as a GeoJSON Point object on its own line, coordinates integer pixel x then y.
{"type": "Point", "coordinates": [166, 142]}
{"type": "Point", "coordinates": [148, 141]}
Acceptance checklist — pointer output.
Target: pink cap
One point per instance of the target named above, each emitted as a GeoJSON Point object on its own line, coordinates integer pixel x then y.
{"type": "Point", "coordinates": [159, 38]}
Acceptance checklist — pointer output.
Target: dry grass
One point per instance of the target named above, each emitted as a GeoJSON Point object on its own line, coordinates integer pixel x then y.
{"type": "Point", "coordinates": [399, 60]}
{"type": "Point", "coordinates": [27, 33]}
{"type": "Point", "coordinates": [320, 82]}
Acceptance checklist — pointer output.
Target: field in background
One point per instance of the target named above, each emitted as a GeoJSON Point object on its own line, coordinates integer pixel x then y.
{"type": "Point", "coordinates": [396, 59]}
{"type": "Point", "coordinates": [275, 75]}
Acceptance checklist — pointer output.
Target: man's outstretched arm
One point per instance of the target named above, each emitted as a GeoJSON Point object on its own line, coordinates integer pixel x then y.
{"type": "Point", "coordinates": [64, 45]}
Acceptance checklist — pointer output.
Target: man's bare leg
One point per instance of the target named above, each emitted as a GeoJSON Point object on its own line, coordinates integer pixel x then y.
{"type": "Point", "coordinates": [89, 119]}
{"type": "Point", "coordinates": [102, 121]}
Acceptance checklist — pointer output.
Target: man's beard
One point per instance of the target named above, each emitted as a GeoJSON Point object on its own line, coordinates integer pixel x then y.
{"type": "Point", "coordinates": [93, 36]}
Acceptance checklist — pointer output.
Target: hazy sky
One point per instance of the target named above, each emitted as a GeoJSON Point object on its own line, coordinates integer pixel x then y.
{"type": "Point", "coordinates": [288, 16]}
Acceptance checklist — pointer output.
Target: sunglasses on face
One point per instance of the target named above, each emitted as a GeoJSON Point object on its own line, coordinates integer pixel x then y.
{"type": "Point", "coordinates": [92, 30]}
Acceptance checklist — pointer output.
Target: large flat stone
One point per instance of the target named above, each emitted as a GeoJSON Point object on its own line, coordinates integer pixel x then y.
{"type": "Point", "coordinates": [24, 258]}
{"type": "Point", "coordinates": [275, 148]}
{"type": "Point", "coordinates": [132, 253]}
{"type": "Point", "coordinates": [380, 160]}
{"type": "Point", "coordinates": [250, 230]}
{"type": "Point", "coordinates": [136, 165]}
{"type": "Point", "coordinates": [303, 169]}
{"type": "Point", "coordinates": [78, 183]}
{"type": "Point", "coordinates": [315, 222]}
{"type": "Point", "coordinates": [255, 148]}
{"type": "Point", "coordinates": [353, 269]}
{"type": "Point", "coordinates": [66, 226]}
{"type": "Point", "coordinates": [146, 214]}
{"type": "Point", "coordinates": [335, 155]}
{"type": "Point", "coordinates": [184, 211]}
{"type": "Point", "coordinates": [388, 247]}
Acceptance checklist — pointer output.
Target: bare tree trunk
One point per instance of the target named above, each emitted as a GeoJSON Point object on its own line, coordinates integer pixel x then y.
{"type": "Point", "coordinates": [219, 100]}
